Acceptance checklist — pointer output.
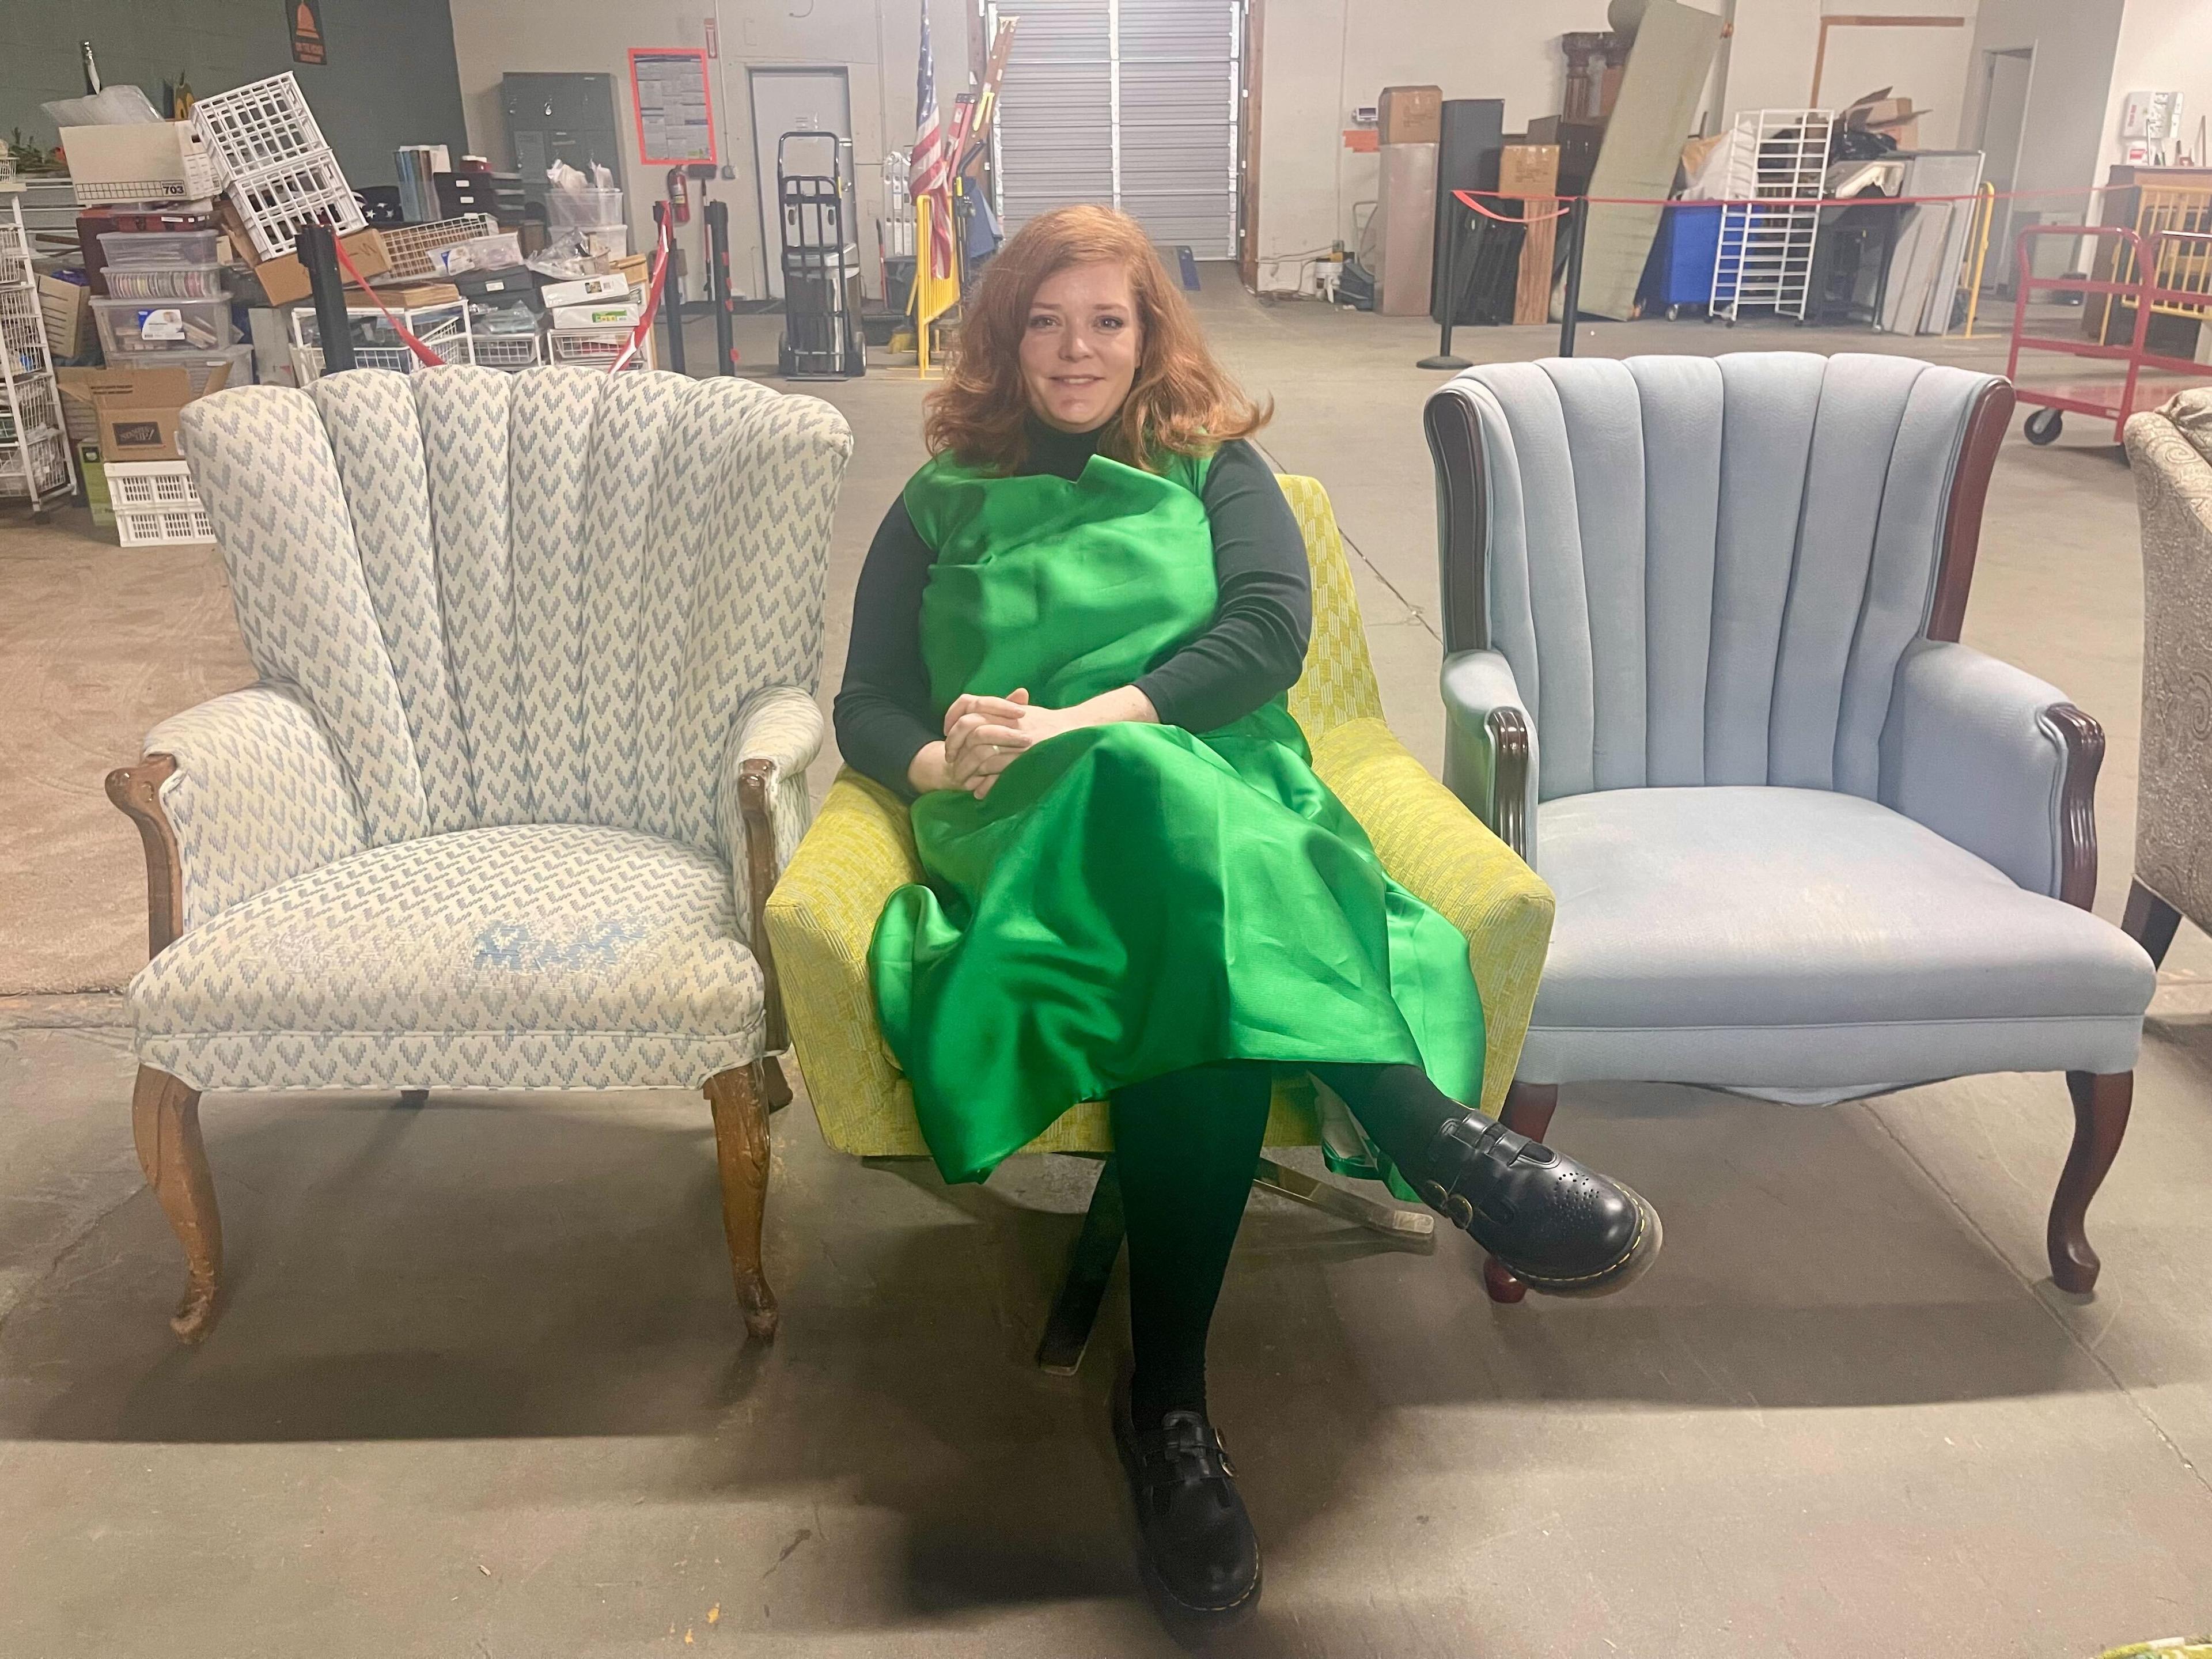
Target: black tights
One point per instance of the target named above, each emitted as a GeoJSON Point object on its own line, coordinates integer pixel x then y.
{"type": "Point", "coordinates": [1186, 1146]}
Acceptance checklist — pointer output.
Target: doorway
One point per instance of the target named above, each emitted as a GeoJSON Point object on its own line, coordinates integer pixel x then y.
{"type": "Point", "coordinates": [790, 100]}
{"type": "Point", "coordinates": [2007, 76]}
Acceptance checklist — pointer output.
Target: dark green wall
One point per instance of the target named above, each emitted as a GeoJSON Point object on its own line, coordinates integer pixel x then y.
{"type": "Point", "coordinates": [390, 80]}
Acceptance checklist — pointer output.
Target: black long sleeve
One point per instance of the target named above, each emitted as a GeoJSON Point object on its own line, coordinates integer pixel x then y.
{"type": "Point", "coordinates": [883, 709]}
{"type": "Point", "coordinates": [1256, 646]}
{"type": "Point", "coordinates": [1253, 650]}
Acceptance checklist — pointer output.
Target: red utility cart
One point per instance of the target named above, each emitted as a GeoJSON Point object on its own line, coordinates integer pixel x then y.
{"type": "Point", "coordinates": [2108, 398]}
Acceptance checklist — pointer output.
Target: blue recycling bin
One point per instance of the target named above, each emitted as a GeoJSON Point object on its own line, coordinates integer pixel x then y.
{"type": "Point", "coordinates": [1679, 271]}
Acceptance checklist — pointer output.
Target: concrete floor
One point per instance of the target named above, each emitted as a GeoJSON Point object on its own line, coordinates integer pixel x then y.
{"type": "Point", "coordinates": [481, 1388]}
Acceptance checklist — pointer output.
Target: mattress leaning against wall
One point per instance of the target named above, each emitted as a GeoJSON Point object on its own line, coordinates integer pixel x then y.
{"type": "Point", "coordinates": [1659, 89]}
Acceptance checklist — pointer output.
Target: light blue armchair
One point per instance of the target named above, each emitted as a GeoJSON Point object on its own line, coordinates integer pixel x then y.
{"type": "Point", "coordinates": [1702, 671]}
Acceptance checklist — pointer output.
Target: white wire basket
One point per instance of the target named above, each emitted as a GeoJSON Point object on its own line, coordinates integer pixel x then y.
{"type": "Point", "coordinates": [156, 505]}
{"type": "Point", "coordinates": [407, 247]}
{"type": "Point", "coordinates": [595, 348]}
{"type": "Point", "coordinates": [511, 352]}
{"type": "Point", "coordinates": [443, 328]}
{"type": "Point", "coordinates": [35, 469]}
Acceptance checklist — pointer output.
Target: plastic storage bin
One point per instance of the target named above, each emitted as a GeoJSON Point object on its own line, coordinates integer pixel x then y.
{"type": "Point", "coordinates": [156, 504]}
{"type": "Point", "coordinates": [165, 282]}
{"type": "Point", "coordinates": [159, 248]}
{"type": "Point", "coordinates": [134, 327]}
{"type": "Point", "coordinates": [582, 210]}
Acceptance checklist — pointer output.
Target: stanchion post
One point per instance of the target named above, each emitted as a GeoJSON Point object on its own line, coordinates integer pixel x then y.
{"type": "Point", "coordinates": [717, 284]}
{"type": "Point", "coordinates": [1443, 358]}
{"type": "Point", "coordinates": [671, 296]}
{"type": "Point", "coordinates": [1571, 300]}
{"type": "Point", "coordinates": [319, 254]}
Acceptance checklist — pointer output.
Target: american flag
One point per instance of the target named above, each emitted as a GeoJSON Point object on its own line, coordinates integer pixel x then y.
{"type": "Point", "coordinates": [929, 172]}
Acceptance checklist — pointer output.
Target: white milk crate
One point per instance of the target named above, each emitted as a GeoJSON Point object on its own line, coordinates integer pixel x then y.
{"type": "Point", "coordinates": [275, 204]}
{"type": "Point", "coordinates": [261, 124]}
{"type": "Point", "coordinates": [156, 505]}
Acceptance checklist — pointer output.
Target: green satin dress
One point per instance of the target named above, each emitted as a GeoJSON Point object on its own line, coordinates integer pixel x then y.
{"type": "Point", "coordinates": [1129, 900]}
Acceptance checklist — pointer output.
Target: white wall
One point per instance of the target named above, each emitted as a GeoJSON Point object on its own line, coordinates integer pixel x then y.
{"type": "Point", "coordinates": [2073, 42]}
{"type": "Point", "coordinates": [1770, 58]}
{"type": "Point", "coordinates": [1323, 58]}
{"type": "Point", "coordinates": [2164, 45]}
{"type": "Point", "coordinates": [877, 42]}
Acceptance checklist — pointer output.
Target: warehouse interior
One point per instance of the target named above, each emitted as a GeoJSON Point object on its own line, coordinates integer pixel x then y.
{"type": "Point", "coordinates": [475, 1381]}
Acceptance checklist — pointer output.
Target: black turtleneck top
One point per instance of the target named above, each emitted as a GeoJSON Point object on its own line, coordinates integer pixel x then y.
{"type": "Point", "coordinates": [1254, 649]}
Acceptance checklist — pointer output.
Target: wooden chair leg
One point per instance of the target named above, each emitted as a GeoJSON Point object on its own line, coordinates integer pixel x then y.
{"type": "Point", "coordinates": [1528, 1108]}
{"type": "Point", "coordinates": [2100, 1118]}
{"type": "Point", "coordinates": [1090, 1261]}
{"type": "Point", "coordinates": [165, 1123]}
{"type": "Point", "coordinates": [2149, 921]}
{"type": "Point", "coordinates": [739, 1099]}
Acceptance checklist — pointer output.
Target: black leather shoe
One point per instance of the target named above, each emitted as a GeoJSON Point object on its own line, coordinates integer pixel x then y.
{"type": "Point", "coordinates": [1562, 1229]}
{"type": "Point", "coordinates": [1197, 1552]}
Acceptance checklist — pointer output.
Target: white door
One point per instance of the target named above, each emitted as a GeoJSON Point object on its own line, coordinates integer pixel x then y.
{"type": "Point", "coordinates": [1132, 103]}
{"type": "Point", "coordinates": [792, 100]}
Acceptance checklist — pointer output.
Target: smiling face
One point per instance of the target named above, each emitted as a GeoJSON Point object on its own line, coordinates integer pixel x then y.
{"type": "Point", "coordinates": [1081, 345]}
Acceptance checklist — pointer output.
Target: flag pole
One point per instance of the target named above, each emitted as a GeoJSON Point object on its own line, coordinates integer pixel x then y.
{"type": "Point", "coordinates": [921, 209]}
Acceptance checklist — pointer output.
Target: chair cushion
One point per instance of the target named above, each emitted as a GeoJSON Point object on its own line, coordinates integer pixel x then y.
{"type": "Point", "coordinates": [1795, 939]}
{"type": "Point", "coordinates": [519, 956]}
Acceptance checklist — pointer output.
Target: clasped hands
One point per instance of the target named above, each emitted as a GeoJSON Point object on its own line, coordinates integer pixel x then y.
{"type": "Point", "coordinates": [983, 736]}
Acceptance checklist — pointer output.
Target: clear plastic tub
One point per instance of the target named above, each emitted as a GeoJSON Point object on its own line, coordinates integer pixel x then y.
{"type": "Point", "coordinates": [159, 248]}
{"type": "Point", "coordinates": [164, 282]}
{"type": "Point", "coordinates": [582, 209]}
{"type": "Point", "coordinates": [131, 328]}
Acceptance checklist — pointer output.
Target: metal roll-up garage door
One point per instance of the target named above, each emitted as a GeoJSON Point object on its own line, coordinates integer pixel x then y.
{"type": "Point", "coordinates": [1129, 102]}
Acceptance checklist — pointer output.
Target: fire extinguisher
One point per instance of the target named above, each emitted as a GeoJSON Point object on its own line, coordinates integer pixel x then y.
{"type": "Point", "coordinates": [679, 197]}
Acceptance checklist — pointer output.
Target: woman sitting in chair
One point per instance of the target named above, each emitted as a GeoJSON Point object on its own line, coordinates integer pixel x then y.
{"type": "Point", "coordinates": [1071, 644]}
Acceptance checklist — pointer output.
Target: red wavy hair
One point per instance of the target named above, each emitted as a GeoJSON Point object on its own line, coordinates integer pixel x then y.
{"type": "Point", "coordinates": [1181, 401]}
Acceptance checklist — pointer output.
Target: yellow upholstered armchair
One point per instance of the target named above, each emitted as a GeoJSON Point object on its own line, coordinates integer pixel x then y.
{"type": "Point", "coordinates": [861, 850]}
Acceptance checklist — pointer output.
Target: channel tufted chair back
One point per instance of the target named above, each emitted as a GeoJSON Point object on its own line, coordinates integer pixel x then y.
{"type": "Point", "coordinates": [529, 598]}
{"type": "Point", "coordinates": [1733, 556]}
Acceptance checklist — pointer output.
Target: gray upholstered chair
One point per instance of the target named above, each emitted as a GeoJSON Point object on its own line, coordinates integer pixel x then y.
{"type": "Point", "coordinates": [1702, 669]}
{"type": "Point", "coordinates": [2172, 450]}
{"type": "Point", "coordinates": [538, 656]}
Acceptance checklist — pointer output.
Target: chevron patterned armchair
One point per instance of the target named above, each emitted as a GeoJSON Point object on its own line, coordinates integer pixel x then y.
{"type": "Point", "coordinates": [861, 850]}
{"type": "Point", "coordinates": [537, 655]}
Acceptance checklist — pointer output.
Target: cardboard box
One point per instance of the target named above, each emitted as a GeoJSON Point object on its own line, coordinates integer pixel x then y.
{"type": "Point", "coordinates": [146, 160]}
{"type": "Point", "coordinates": [1410, 115]}
{"type": "Point", "coordinates": [136, 409]}
{"type": "Point", "coordinates": [285, 279]}
{"type": "Point", "coordinates": [68, 318]}
{"type": "Point", "coordinates": [616, 313]}
{"type": "Point", "coordinates": [585, 290]}
{"type": "Point", "coordinates": [1529, 170]}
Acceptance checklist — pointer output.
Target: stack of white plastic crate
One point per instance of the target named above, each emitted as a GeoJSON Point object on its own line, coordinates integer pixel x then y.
{"type": "Point", "coordinates": [35, 465]}
{"type": "Point", "coordinates": [283, 175]}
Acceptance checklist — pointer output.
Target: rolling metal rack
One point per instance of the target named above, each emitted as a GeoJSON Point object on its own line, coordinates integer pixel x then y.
{"type": "Point", "coordinates": [822, 338]}
{"type": "Point", "coordinates": [35, 463]}
{"type": "Point", "coordinates": [1764, 258]}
